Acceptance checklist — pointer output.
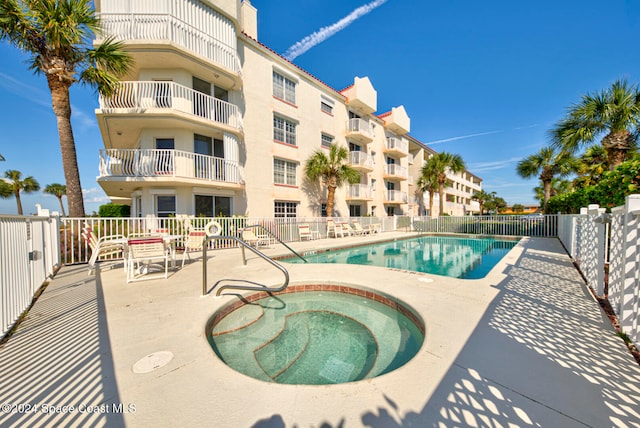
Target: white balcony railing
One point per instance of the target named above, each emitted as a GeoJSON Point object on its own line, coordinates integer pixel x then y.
{"type": "Point", "coordinates": [359, 191]}
{"type": "Point", "coordinates": [397, 144]}
{"type": "Point", "coordinates": [165, 27]}
{"type": "Point", "coordinates": [143, 96]}
{"type": "Point", "coordinates": [396, 170]}
{"type": "Point", "coordinates": [167, 163]}
{"type": "Point", "coordinates": [360, 126]}
{"type": "Point", "coordinates": [396, 196]}
{"type": "Point", "coordinates": [361, 159]}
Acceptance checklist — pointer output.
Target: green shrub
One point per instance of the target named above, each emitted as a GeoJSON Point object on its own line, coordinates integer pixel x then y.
{"type": "Point", "coordinates": [114, 210]}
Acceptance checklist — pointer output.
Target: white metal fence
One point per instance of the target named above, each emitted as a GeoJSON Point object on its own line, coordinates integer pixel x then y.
{"type": "Point", "coordinates": [508, 225]}
{"type": "Point", "coordinates": [29, 254]}
{"type": "Point", "coordinates": [606, 248]}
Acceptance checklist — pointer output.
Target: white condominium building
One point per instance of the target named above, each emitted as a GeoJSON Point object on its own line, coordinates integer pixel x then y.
{"type": "Point", "coordinates": [212, 122]}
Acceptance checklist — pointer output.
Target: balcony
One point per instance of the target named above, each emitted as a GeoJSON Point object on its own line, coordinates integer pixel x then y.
{"type": "Point", "coordinates": [162, 97]}
{"type": "Point", "coordinates": [361, 96]}
{"type": "Point", "coordinates": [360, 130]}
{"type": "Point", "coordinates": [146, 29]}
{"type": "Point", "coordinates": [132, 166]}
{"type": "Point", "coordinates": [397, 120]}
{"type": "Point", "coordinates": [396, 146]}
{"type": "Point", "coordinates": [361, 161]}
{"type": "Point", "coordinates": [396, 171]}
{"type": "Point", "coordinates": [395, 197]}
{"type": "Point", "coordinates": [359, 192]}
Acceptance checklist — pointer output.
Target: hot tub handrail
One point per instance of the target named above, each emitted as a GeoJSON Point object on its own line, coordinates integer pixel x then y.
{"type": "Point", "coordinates": [271, 234]}
{"type": "Point", "coordinates": [242, 245]}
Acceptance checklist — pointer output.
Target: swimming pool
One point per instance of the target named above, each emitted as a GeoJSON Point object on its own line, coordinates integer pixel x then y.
{"type": "Point", "coordinates": [316, 334]}
{"type": "Point", "coordinates": [457, 257]}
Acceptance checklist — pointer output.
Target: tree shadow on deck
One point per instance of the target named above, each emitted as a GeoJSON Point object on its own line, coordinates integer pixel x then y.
{"type": "Point", "coordinates": [543, 354]}
{"type": "Point", "coordinates": [60, 355]}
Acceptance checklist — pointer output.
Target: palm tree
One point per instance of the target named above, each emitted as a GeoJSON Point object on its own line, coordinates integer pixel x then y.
{"type": "Point", "coordinates": [546, 164]}
{"type": "Point", "coordinates": [57, 190]}
{"type": "Point", "coordinates": [558, 187]}
{"type": "Point", "coordinates": [590, 166]}
{"type": "Point", "coordinates": [482, 197]}
{"type": "Point", "coordinates": [333, 170]}
{"type": "Point", "coordinates": [428, 182]}
{"type": "Point", "coordinates": [17, 185]}
{"type": "Point", "coordinates": [439, 165]}
{"type": "Point", "coordinates": [56, 34]}
{"type": "Point", "coordinates": [613, 113]}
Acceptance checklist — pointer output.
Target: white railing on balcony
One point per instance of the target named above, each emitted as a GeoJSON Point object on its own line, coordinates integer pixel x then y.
{"type": "Point", "coordinates": [396, 196]}
{"type": "Point", "coordinates": [167, 163]}
{"type": "Point", "coordinates": [396, 170]}
{"type": "Point", "coordinates": [359, 191]}
{"type": "Point", "coordinates": [361, 159]}
{"type": "Point", "coordinates": [357, 125]}
{"type": "Point", "coordinates": [141, 96]}
{"type": "Point", "coordinates": [397, 144]}
{"type": "Point", "coordinates": [165, 27]}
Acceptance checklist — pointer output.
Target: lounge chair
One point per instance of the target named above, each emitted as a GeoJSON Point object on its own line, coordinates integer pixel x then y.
{"type": "Point", "coordinates": [334, 229]}
{"type": "Point", "coordinates": [374, 228]}
{"type": "Point", "coordinates": [359, 230]}
{"type": "Point", "coordinates": [141, 253]}
{"type": "Point", "coordinates": [192, 243]}
{"type": "Point", "coordinates": [347, 229]}
{"type": "Point", "coordinates": [111, 245]}
{"type": "Point", "coordinates": [255, 241]}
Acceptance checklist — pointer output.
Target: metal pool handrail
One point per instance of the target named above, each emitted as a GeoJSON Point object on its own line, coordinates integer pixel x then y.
{"type": "Point", "coordinates": [256, 286]}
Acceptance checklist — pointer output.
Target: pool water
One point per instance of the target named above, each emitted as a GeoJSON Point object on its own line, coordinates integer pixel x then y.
{"type": "Point", "coordinates": [316, 338]}
{"type": "Point", "coordinates": [467, 258]}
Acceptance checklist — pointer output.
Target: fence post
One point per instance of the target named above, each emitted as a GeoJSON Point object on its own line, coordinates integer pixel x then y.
{"type": "Point", "coordinates": [629, 302]}
{"type": "Point", "coordinates": [598, 217]}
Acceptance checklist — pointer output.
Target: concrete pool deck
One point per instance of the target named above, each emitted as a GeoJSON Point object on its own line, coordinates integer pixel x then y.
{"type": "Point", "coordinates": [525, 346]}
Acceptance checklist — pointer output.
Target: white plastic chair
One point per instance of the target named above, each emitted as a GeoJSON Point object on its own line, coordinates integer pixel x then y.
{"type": "Point", "coordinates": [143, 252]}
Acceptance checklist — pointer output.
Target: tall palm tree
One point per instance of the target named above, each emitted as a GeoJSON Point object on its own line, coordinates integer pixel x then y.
{"type": "Point", "coordinates": [428, 182]}
{"type": "Point", "coordinates": [57, 35]}
{"type": "Point", "coordinates": [590, 166]}
{"type": "Point", "coordinates": [482, 197]}
{"type": "Point", "coordinates": [613, 114]}
{"type": "Point", "coordinates": [17, 185]}
{"type": "Point", "coordinates": [546, 164]}
{"type": "Point", "coordinates": [333, 170]}
{"type": "Point", "coordinates": [440, 164]}
{"type": "Point", "coordinates": [57, 190]}
{"type": "Point", "coordinates": [559, 186]}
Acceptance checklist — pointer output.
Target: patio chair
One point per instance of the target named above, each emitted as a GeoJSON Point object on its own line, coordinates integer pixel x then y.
{"type": "Point", "coordinates": [359, 230]}
{"type": "Point", "coordinates": [374, 228]}
{"type": "Point", "coordinates": [334, 229]}
{"type": "Point", "coordinates": [143, 252]}
{"type": "Point", "coordinates": [111, 245]}
{"type": "Point", "coordinates": [305, 232]}
{"type": "Point", "coordinates": [255, 241]}
{"type": "Point", "coordinates": [347, 229]}
{"type": "Point", "coordinates": [192, 243]}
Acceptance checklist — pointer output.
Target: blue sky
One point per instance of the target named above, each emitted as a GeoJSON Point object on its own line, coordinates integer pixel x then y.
{"type": "Point", "coordinates": [485, 80]}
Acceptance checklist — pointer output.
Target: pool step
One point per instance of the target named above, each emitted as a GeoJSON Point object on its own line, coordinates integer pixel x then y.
{"type": "Point", "coordinates": [278, 354]}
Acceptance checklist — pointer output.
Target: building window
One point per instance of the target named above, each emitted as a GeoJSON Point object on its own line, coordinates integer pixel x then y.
{"type": "Point", "coordinates": [285, 209]}
{"type": "Point", "coordinates": [212, 206]}
{"type": "Point", "coordinates": [284, 172]}
{"type": "Point", "coordinates": [284, 88]}
{"type": "Point", "coordinates": [323, 210]}
{"type": "Point", "coordinates": [355, 210]}
{"type": "Point", "coordinates": [326, 106]}
{"type": "Point", "coordinates": [284, 130]}
{"type": "Point", "coordinates": [165, 205]}
{"type": "Point", "coordinates": [326, 140]}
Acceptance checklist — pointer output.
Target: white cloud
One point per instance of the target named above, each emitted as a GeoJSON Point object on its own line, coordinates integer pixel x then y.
{"type": "Point", "coordinates": [490, 166]}
{"type": "Point", "coordinates": [28, 92]}
{"type": "Point", "coordinates": [446, 140]}
{"type": "Point", "coordinates": [324, 33]}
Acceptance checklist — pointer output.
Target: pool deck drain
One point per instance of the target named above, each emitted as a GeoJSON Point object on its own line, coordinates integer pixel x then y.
{"type": "Point", "coordinates": [527, 346]}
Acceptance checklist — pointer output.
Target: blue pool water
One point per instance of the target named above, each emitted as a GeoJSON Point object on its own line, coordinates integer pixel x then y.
{"type": "Point", "coordinates": [316, 337]}
{"type": "Point", "coordinates": [456, 257]}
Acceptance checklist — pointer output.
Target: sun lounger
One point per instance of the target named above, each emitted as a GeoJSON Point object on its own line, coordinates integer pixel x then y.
{"type": "Point", "coordinates": [111, 245]}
